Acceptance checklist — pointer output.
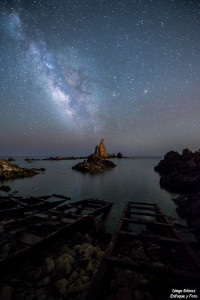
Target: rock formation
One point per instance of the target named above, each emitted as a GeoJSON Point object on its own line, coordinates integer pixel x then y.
{"type": "Point", "coordinates": [10, 171]}
{"type": "Point", "coordinates": [94, 163]}
{"type": "Point", "coordinates": [180, 172]}
{"type": "Point", "coordinates": [98, 161]}
{"type": "Point", "coordinates": [100, 150]}
{"type": "Point", "coordinates": [11, 159]}
{"type": "Point", "coordinates": [119, 155]}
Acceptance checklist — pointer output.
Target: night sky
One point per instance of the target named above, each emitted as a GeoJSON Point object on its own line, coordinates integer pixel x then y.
{"type": "Point", "coordinates": [75, 71]}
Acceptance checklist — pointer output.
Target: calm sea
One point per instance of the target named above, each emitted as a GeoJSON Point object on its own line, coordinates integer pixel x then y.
{"type": "Point", "coordinates": [133, 179]}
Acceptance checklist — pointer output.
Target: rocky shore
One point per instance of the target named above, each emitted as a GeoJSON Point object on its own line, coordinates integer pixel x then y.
{"type": "Point", "coordinates": [64, 273]}
{"type": "Point", "coordinates": [98, 161]}
{"type": "Point", "coordinates": [11, 171]}
{"type": "Point", "coordinates": [180, 172]}
{"type": "Point", "coordinates": [188, 207]}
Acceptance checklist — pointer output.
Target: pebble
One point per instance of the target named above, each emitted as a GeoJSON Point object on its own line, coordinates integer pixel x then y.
{"type": "Point", "coordinates": [62, 285]}
{"type": "Point", "coordinates": [50, 264]}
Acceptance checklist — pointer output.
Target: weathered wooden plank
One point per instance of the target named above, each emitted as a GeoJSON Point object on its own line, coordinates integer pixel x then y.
{"type": "Point", "coordinates": [150, 237]}
{"type": "Point", "coordinates": [152, 269]}
{"type": "Point", "coordinates": [144, 214]}
{"type": "Point", "coordinates": [146, 222]}
{"type": "Point", "coordinates": [141, 208]}
{"type": "Point", "coordinates": [143, 203]}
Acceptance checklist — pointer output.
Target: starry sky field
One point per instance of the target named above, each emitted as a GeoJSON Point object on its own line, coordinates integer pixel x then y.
{"type": "Point", "coordinates": [75, 71]}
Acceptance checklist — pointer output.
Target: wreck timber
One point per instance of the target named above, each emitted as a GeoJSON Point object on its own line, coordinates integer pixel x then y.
{"type": "Point", "coordinates": [146, 246]}
{"type": "Point", "coordinates": [24, 236]}
{"type": "Point", "coordinates": [15, 207]}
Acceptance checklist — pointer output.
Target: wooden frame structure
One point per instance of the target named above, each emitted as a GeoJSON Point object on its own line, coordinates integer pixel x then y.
{"type": "Point", "coordinates": [24, 235]}
{"type": "Point", "coordinates": [145, 224]}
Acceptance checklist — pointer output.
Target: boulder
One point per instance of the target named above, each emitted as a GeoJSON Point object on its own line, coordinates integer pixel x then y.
{"type": "Point", "coordinates": [49, 264]}
{"type": "Point", "coordinates": [62, 286]}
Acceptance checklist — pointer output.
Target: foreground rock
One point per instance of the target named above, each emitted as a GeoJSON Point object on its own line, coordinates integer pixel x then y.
{"type": "Point", "coordinates": [180, 172]}
{"type": "Point", "coordinates": [10, 171]}
{"type": "Point", "coordinates": [189, 209]}
{"type": "Point", "coordinates": [94, 164]}
{"type": "Point", "coordinates": [62, 274]}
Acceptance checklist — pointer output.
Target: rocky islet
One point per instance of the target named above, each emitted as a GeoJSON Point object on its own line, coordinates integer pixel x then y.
{"type": "Point", "coordinates": [12, 171]}
{"type": "Point", "coordinates": [98, 161]}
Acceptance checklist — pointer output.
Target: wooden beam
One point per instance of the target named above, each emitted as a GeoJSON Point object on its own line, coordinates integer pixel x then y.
{"type": "Point", "coordinates": [150, 268]}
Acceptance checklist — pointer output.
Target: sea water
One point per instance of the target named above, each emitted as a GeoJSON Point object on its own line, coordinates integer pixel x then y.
{"type": "Point", "coordinates": [134, 179]}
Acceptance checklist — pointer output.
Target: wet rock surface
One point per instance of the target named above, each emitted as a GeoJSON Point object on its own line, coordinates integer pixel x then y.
{"type": "Point", "coordinates": [11, 171]}
{"type": "Point", "coordinates": [180, 172]}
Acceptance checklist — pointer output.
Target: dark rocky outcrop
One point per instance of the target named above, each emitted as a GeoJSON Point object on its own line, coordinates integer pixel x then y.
{"type": "Point", "coordinates": [98, 161]}
{"type": "Point", "coordinates": [58, 158]}
{"type": "Point", "coordinates": [5, 188]}
{"type": "Point", "coordinates": [94, 164]}
{"type": "Point", "coordinates": [10, 171]}
{"type": "Point", "coordinates": [119, 155]}
{"type": "Point", "coordinates": [188, 207]}
{"type": "Point", "coordinates": [180, 172]}
{"type": "Point", "coordinates": [11, 159]}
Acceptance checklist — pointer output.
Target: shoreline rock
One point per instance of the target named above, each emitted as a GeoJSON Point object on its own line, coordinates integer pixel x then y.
{"type": "Point", "coordinates": [12, 171]}
{"type": "Point", "coordinates": [188, 208]}
{"type": "Point", "coordinates": [180, 172]}
{"type": "Point", "coordinates": [64, 273]}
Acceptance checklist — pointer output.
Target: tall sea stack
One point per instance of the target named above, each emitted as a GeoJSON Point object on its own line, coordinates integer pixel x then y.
{"type": "Point", "coordinates": [100, 150]}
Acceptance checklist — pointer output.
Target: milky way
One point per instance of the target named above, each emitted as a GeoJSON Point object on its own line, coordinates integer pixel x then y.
{"type": "Point", "coordinates": [65, 84]}
{"type": "Point", "coordinates": [73, 72]}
